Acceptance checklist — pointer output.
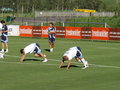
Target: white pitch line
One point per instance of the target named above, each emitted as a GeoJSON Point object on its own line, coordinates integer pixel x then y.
{"type": "Point", "coordinates": [106, 66]}
{"type": "Point", "coordinates": [95, 65]}
{"type": "Point", "coordinates": [107, 48]}
{"type": "Point", "coordinates": [26, 63]}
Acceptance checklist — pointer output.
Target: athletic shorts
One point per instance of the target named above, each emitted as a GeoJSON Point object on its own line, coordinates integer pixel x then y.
{"type": "Point", "coordinates": [51, 39]}
{"type": "Point", "coordinates": [4, 38]}
{"type": "Point", "coordinates": [37, 50]}
{"type": "Point", "coordinates": [79, 55]}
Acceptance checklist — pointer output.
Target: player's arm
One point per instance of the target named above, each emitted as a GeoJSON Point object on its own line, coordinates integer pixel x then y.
{"type": "Point", "coordinates": [22, 57]}
{"type": "Point", "coordinates": [53, 32]}
{"type": "Point", "coordinates": [5, 31]}
{"type": "Point", "coordinates": [62, 62]}
{"type": "Point", "coordinates": [69, 63]}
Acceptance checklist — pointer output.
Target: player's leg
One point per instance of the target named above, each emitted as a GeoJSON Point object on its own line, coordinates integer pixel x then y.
{"type": "Point", "coordinates": [2, 43]}
{"type": "Point", "coordinates": [52, 46]}
{"type": "Point", "coordinates": [51, 43]}
{"type": "Point", "coordinates": [79, 58]}
{"type": "Point", "coordinates": [4, 40]}
{"type": "Point", "coordinates": [41, 55]}
{"type": "Point", "coordinates": [85, 63]}
{"type": "Point", "coordinates": [6, 47]}
{"type": "Point", "coordinates": [44, 57]}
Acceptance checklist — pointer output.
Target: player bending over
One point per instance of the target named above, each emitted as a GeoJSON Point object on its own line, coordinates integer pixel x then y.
{"type": "Point", "coordinates": [32, 48]}
{"type": "Point", "coordinates": [71, 53]}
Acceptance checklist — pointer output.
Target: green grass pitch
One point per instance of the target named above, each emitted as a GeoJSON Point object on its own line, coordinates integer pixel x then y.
{"type": "Point", "coordinates": [32, 74]}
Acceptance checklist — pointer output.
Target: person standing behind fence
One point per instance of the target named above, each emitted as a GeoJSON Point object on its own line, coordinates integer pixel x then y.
{"type": "Point", "coordinates": [51, 36]}
{"type": "Point", "coordinates": [4, 38]}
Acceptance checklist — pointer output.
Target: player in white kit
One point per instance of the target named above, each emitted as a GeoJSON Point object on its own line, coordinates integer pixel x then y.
{"type": "Point", "coordinates": [32, 48]}
{"type": "Point", "coordinates": [74, 52]}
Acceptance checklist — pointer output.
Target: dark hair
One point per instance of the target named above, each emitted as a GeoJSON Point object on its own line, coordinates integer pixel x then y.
{"type": "Point", "coordinates": [51, 23]}
{"type": "Point", "coordinates": [2, 21]}
{"type": "Point", "coordinates": [64, 58]}
{"type": "Point", "coordinates": [21, 51]}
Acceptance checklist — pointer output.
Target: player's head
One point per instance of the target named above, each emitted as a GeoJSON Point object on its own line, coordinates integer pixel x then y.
{"type": "Point", "coordinates": [51, 24]}
{"type": "Point", "coordinates": [65, 58]}
{"type": "Point", "coordinates": [2, 21]}
{"type": "Point", "coordinates": [21, 51]}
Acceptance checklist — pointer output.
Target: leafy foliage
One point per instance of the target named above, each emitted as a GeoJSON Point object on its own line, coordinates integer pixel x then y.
{"type": "Point", "coordinates": [30, 5]}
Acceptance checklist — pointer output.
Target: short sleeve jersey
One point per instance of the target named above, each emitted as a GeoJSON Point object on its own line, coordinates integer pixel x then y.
{"type": "Point", "coordinates": [4, 28]}
{"type": "Point", "coordinates": [72, 52]}
{"type": "Point", "coordinates": [30, 48]}
{"type": "Point", "coordinates": [52, 35]}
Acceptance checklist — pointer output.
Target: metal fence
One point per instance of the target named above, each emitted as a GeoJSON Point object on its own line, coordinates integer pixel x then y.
{"type": "Point", "coordinates": [43, 18]}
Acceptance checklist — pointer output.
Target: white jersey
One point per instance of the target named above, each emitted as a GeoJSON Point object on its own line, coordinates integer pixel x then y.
{"type": "Point", "coordinates": [71, 53]}
{"type": "Point", "coordinates": [30, 48]}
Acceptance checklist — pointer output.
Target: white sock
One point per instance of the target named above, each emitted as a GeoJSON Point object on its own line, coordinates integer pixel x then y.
{"type": "Point", "coordinates": [6, 50]}
{"type": "Point", "coordinates": [45, 60]}
{"type": "Point", "coordinates": [79, 60]}
{"type": "Point", "coordinates": [83, 61]}
{"type": "Point", "coordinates": [51, 49]}
{"type": "Point", "coordinates": [2, 50]}
{"type": "Point", "coordinates": [1, 55]}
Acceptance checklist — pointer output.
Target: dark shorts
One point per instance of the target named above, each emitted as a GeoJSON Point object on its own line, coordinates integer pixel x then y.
{"type": "Point", "coordinates": [79, 48]}
{"type": "Point", "coordinates": [79, 55]}
{"type": "Point", "coordinates": [4, 38]}
{"type": "Point", "coordinates": [37, 50]}
{"type": "Point", "coordinates": [51, 39]}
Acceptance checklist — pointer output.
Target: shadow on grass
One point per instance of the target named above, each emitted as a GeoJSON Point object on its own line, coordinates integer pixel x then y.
{"type": "Point", "coordinates": [70, 66]}
{"type": "Point", "coordinates": [48, 50]}
{"type": "Point", "coordinates": [33, 60]}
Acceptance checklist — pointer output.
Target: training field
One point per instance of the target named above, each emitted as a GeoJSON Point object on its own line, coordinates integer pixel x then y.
{"type": "Point", "coordinates": [33, 74]}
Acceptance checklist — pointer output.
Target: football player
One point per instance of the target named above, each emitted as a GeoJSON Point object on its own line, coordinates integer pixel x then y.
{"type": "Point", "coordinates": [74, 52]}
{"type": "Point", "coordinates": [32, 48]}
{"type": "Point", "coordinates": [51, 36]}
{"type": "Point", "coordinates": [4, 36]}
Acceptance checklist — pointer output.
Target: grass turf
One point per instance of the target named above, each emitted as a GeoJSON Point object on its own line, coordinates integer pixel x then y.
{"type": "Point", "coordinates": [36, 75]}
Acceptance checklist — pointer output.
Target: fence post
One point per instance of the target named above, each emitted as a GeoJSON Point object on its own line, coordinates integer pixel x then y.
{"type": "Point", "coordinates": [41, 23]}
{"type": "Point", "coordinates": [63, 24]}
{"type": "Point", "coordinates": [105, 25]}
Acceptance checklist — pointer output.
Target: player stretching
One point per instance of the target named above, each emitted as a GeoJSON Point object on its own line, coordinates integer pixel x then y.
{"type": "Point", "coordinates": [51, 36]}
{"type": "Point", "coordinates": [32, 48]}
{"type": "Point", "coordinates": [71, 53]}
{"type": "Point", "coordinates": [4, 38]}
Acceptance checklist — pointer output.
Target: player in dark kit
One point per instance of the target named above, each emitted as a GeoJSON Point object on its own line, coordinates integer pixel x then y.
{"type": "Point", "coordinates": [4, 38]}
{"type": "Point", "coordinates": [51, 36]}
